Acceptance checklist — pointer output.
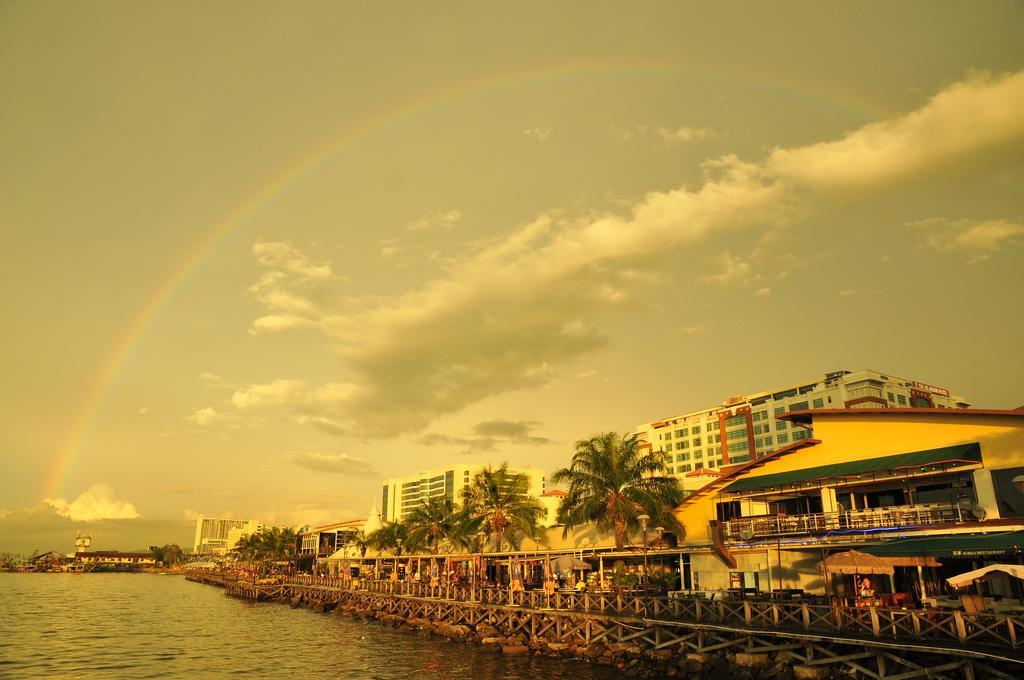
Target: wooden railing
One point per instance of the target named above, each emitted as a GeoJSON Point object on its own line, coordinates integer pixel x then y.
{"type": "Point", "coordinates": [918, 625]}
{"type": "Point", "coordinates": [762, 526]}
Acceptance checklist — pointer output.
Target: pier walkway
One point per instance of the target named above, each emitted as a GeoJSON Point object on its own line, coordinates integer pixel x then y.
{"type": "Point", "coordinates": [895, 644]}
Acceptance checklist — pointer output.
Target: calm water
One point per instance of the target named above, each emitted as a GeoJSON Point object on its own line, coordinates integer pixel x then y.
{"type": "Point", "coordinates": [148, 626]}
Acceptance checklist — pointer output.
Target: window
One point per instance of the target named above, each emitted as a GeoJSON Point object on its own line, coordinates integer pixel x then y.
{"type": "Point", "coordinates": [892, 399]}
{"type": "Point", "coordinates": [684, 468]}
{"type": "Point", "coordinates": [735, 421]}
{"type": "Point", "coordinates": [695, 429]}
{"type": "Point", "coordinates": [718, 438]}
{"type": "Point", "coordinates": [768, 440]}
{"type": "Point", "coordinates": [781, 425]}
{"type": "Point", "coordinates": [696, 443]}
{"type": "Point", "coordinates": [903, 400]}
{"type": "Point", "coordinates": [780, 410]}
{"type": "Point", "coordinates": [682, 445]}
{"type": "Point", "coordinates": [680, 433]}
{"type": "Point", "coordinates": [668, 436]}
{"type": "Point", "coordinates": [783, 438]}
{"type": "Point", "coordinates": [798, 406]}
{"type": "Point", "coordinates": [819, 403]}
{"type": "Point", "coordinates": [698, 454]}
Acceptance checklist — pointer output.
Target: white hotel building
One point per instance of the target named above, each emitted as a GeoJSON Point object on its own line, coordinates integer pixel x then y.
{"type": "Point", "coordinates": [215, 535]}
{"type": "Point", "coordinates": [400, 496]}
{"type": "Point", "coordinates": [746, 427]}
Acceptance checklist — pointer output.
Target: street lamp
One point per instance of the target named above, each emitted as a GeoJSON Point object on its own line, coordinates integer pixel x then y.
{"type": "Point", "coordinates": [644, 519]}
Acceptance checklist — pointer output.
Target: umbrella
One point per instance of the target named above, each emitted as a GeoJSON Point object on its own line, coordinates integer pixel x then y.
{"type": "Point", "coordinates": [986, 573]}
{"type": "Point", "coordinates": [569, 563]}
{"type": "Point", "coordinates": [855, 562]}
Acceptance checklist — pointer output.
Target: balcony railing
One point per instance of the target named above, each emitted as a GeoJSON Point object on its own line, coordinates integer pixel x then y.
{"type": "Point", "coordinates": [765, 526]}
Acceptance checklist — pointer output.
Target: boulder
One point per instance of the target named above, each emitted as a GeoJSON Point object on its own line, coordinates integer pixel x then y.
{"type": "Point", "coordinates": [515, 650]}
{"type": "Point", "coordinates": [748, 660]}
{"type": "Point", "coordinates": [485, 630]}
{"type": "Point", "coordinates": [803, 672]}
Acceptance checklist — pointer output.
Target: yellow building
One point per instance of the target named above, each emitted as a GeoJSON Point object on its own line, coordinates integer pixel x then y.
{"type": "Point", "coordinates": [932, 491]}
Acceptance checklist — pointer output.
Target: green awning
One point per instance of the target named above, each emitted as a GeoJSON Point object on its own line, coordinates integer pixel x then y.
{"type": "Point", "coordinates": [1002, 544]}
{"type": "Point", "coordinates": [962, 453]}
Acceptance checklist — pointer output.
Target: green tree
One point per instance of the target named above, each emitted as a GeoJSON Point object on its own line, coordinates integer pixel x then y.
{"type": "Point", "coordinates": [169, 555]}
{"type": "Point", "coordinates": [613, 480]}
{"type": "Point", "coordinates": [387, 537]}
{"type": "Point", "coordinates": [361, 541]}
{"type": "Point", "coordinates": [431, 522]}
{"type": "Point", "coordinates": [497, 503]}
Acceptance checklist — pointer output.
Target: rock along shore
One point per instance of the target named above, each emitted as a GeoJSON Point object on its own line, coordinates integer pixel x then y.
{"type": "Point", "coordinates": [635, 658]}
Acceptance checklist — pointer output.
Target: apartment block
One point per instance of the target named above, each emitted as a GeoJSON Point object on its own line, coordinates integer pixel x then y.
{"type": "Point", "coordinates": [400, 496]}
{"type": "Point", "coordinates": [215, 535]}
{"type": "Point", "coordinates": [746, 427]}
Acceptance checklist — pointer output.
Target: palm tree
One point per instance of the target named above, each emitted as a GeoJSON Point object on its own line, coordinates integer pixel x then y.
{"type": "Point", "coordinates": [497, 503]}
{"type": "Point", "coordinates": [361, 541]}
{"type": "Point", "coordinates": [431, 522]}
{"type": "Point", "coordinates": [387, 537]}
{"type": "Point", "coordinates": [612, 481]}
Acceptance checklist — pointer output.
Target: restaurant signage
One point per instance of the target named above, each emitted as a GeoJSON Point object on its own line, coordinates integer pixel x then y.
{"type": "Point", "coordinates": [987, 552]}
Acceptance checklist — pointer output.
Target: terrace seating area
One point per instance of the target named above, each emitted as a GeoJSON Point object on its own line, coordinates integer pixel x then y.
{"type": "Point", "coordinates": [768, 526]}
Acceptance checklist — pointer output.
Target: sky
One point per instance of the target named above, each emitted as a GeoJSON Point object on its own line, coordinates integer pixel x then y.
{"type": "Point", "coordinates": [260, 256]}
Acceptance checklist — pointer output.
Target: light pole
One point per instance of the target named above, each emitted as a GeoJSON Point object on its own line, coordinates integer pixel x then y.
{"type": "Point", "coordinates": [398, 555]}
{"type": "Point", "coordinates": [644, 519]}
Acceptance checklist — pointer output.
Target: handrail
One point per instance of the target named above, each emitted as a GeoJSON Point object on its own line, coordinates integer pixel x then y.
{"type": "Point", "coordinates": [743, 528]}
{"type": "Point", "coordinates": [984, 628]}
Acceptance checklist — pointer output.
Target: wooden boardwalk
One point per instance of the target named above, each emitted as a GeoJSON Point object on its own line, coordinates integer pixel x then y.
{"type": "Point", "coordinates": [876, 643]}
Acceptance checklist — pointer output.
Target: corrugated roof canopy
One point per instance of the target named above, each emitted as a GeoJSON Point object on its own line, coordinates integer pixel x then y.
{"type": "Point", "coordinates": [962, 453]}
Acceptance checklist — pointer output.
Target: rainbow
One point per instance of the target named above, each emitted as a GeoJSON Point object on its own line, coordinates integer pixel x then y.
{"type": "Point", "coordinates": [349, 136]}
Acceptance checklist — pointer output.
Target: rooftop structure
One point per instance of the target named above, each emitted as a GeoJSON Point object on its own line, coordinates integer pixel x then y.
{"type": "Point", "coordinates": [747, 427]}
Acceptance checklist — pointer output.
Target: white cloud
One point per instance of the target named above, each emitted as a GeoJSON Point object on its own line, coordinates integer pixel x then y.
{"type": "Point", "coordinates": [95, 503]}
{"type": "Point", "coordinates": [733, 271]}
{"type": "Point", "coordinates": [209, 416]}
{"type": "Point", "coordinates": [979, 112]}
{"type": "Point", "coordinates": [971, 237]}
{"type": "Point", "coordinates": [283, 255]}
{"type": "Point", "coordinates": [678, 135]}
{"type": "Point", "coordinates": [684, 134]}
{"type": "Point", "coordinates": [538, 133]}
{"type": "Point", "coordinates": [338, 464]}
{"type": "Point", "coordinates": [279, 289]}
{"type": "Point", "coordinates": [143, 411]}
{"type": "Point", "coordinates": [445, 219]}
{"type": "Point", "coordinates": [322, 423]}
{"type": "Point", "coordinates": [509, 314]}
{"type": "Point", "coordinates": [763, 292]}
{"type": "Point", "coordinates": [268, 394]}
{"type": "Point", "coordinates": [4, 513]}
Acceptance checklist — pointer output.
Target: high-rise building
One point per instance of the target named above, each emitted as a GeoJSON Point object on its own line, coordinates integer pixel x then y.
{"type": "Point", "coordinates": [745, 427]}
{"type": "Point", "coordinates": [400, 496]}
{"type": "Point", "coordinates": [216, 536]}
